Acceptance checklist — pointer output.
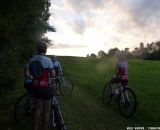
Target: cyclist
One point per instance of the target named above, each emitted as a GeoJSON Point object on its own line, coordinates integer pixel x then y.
{"type": "Point", "coordinates": [121, 71]}
{"type": "Point", "coordinates": [57, 66]}
{"type": "Point", "coordinates": [40, 86]}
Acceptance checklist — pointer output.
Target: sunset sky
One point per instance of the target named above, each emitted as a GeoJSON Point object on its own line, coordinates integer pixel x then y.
{"type": "Point", "coordinates": [88, 26]}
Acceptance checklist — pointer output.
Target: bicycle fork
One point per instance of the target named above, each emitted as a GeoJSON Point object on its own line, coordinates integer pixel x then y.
{"type": "Point", "coordinates": [124, 95]}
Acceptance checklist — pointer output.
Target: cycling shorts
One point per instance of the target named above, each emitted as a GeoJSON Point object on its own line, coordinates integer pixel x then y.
{"type": "Point", "coordinates": [43, 93]}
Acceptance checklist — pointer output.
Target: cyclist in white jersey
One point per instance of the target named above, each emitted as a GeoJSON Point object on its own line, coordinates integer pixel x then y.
{"type": "Point", "coordinates": [57, 66]}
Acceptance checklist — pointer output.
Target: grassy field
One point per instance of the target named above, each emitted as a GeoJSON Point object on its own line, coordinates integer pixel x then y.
{"type": "Point", "coordinates": [84, 110]}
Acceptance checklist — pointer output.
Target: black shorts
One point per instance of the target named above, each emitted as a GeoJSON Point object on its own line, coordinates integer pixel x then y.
{"type": "Point", "coordinates": [28, 87]}
{"type": "Point", "coordinates": [43, 93]}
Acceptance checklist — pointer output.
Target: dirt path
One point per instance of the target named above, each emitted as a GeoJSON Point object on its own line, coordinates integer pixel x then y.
{"type": "Point", "coordinates": [84, 112]}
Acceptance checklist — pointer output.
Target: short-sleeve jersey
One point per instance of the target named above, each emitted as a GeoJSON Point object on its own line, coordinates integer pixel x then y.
{"type": "Point", "coordinates": [45, 61]}
{"type": "Point", "coordinates": [122, 69]}
{"type": "Point", "coordinates": [43, 79]}
{"type": "Point", "coordinates": [57, 67]}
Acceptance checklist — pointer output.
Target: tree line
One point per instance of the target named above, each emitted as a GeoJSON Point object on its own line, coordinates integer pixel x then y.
{"type": "Point", "coordinates": [21, 24]}
{"type": "Point", "coordinates": [149, 52]}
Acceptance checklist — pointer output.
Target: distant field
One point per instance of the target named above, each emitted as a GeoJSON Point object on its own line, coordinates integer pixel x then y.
{"type": "Point", "coordinates": [84, 110]}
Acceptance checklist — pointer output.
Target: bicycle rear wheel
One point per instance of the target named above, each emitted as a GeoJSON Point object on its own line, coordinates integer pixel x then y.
{"type": "Point", "coordinates": [107, 94]}
{"type": "Point", "coordinates": [22, 112]}
{"type": "Point", "coordinates": [127, 102]}
{"type": "Point", "coordinates": [66, 86]}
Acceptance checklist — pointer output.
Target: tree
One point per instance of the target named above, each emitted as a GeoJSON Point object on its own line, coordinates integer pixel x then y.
{"type": "Point", "coordinates": [101, 54]}
{"type": "Point", "coordinates": [113, 51]}
{"type": "Point", "coordinates": [93, 56]}
{"type": "Point", "coordinates": [126, 50]}
{"type": "Point", "coordinates": [141, 46]}
{"type": "Point", "coordinates": [22, 23]}
{"type": "Point", "coordinates": [87, 56]}
{"type": "Point", "coordinates": [157, 45]}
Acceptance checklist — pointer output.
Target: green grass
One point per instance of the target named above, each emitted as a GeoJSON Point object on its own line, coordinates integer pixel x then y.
{"type": "Point", "coordinates": [84, 110]}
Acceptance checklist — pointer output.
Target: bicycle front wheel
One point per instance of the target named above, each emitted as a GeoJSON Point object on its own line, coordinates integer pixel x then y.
{"type": "Point", "coordinates": [66, 87]}
{"type": "Point", "coordinates": [22, 114]}
{"type": "Point", "coordinates": [57, 116]}
{"type": "Point", "coordinates": [127, 102]}
{"type": "Point", "coordinates": [107, 94]}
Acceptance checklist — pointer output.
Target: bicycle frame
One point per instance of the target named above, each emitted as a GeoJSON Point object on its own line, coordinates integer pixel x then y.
{"type": "Point", "coordinates": [121, 91]}
{"type": "Point", "coordinates": [56, 109]}
{"type": "Point", "coordinates": [124, 96]}
{"type": "Point", "coordinates": [55, 106]}
{"type": "Point", "coordinates": [55, 79]}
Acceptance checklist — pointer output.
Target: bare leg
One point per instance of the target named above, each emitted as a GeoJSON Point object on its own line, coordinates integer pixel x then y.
{"type": "Point", "coordinates": [47, 107]}
{"type": "Point", "coordinates": [38, 112]}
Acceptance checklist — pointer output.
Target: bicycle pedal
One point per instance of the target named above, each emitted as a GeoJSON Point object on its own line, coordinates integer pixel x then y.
{"type": "Point", "coordinates": [111, 94]}
{"type": "Point", "coordinates": [127, 103]}
{"type": "Point", "coordinates": [53, 124]}
{"type": "Point", "coordinates": [29, 112]}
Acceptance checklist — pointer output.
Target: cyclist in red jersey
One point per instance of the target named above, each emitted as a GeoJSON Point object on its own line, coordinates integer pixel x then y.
{"type": "Point", "coordinates": [40, 86]}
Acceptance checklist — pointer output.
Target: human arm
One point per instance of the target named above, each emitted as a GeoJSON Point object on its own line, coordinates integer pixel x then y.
{"type": "Point", "coordinates": [51, 67]}
{"type": "Point", "coordinates": [60, 68]}
{"type": "Point", "coordinates": [26, 72]}
{"type": "Point", "coordinates": [61, 71]}
{"type": "Point", "coordinates": [53, 74]}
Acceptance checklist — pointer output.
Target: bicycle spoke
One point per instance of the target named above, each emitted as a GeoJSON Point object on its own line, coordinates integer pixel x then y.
{"type": "Point", "coordinates": [23, 112]}
{"type": "Point", "coordinates": [127, 102]}
{"type": "Point", "coordinates": [66, 87]}
{"type": "Point", "coordinates": [57, 118]}
{"type": "Point", "coordinates": [107, 97]}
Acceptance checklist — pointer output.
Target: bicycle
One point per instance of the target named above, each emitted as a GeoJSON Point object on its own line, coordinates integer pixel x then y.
{"type": "Point", "coordinates": [64, 84]}
{"type": "Point", "coordinates": [124, 96]}
{"type": "Point", "coordinates": [25, 106]}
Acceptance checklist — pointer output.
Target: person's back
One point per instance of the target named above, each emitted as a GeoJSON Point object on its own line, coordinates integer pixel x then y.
{"type": "Point", "coordinates": [42, 80]}
{"type": "Point", "coordinates": [40, 68]}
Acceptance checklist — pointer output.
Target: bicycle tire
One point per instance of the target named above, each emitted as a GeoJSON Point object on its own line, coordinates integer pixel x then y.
{"type": "Point", "coordinates": [20, 110]}
{"type": "Point", "coordinates": [66, 86]}
{"type": "Point", "coordinates": [58, 118]}
{"type": "Point", "coordinates": [132, 102]}
{"type": "Point", "coordinates": [106, 94]}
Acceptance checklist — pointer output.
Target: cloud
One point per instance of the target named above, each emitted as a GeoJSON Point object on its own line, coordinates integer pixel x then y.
{"type": "Point", "coordinates": [104, 23]}
{"type": "Point", "coordinates": [66, 46]}
{"type": "Point", "coordinates": [79, 24]}
{"type": "Point", "coordinates": [144, 13]}
{"type": "Point", "coordinates": [145, 9]}
{"type": "Point", "coordinates": [83, 5]}
{"type": "Point", "coordinates": [83, 13]}
{"type": "Point", "coordinates": [137, 19]}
